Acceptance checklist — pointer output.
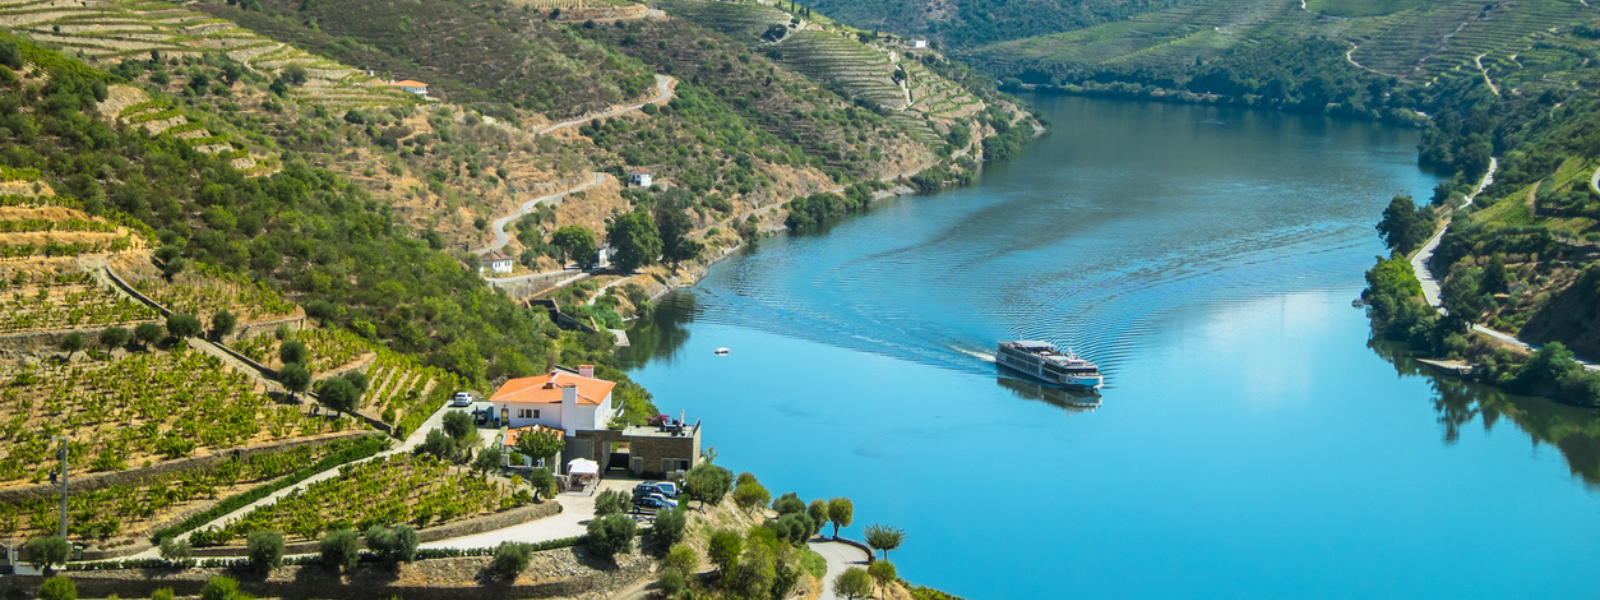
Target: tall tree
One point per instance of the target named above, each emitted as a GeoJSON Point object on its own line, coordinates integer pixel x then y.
{"type": "Point", "coordinates": [634, 241]}
{"type": "Point", "coordinates": [1405, 226]}
{"type": "Point", "coordinates": [577, 243]}
{"type": "Point", "coordinates": [674, 224]}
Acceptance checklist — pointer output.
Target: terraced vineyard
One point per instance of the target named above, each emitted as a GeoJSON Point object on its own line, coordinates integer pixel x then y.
{"type": "Point", "coordinates": [148, 407]}
{"type": "Point", "coordinates": [1159, 38]}
{"type": "Point", "coordinates": [856, 69]}
{"type": "Point", "coordinates": [203, 290]}
{"type": "Point", "coordinates": [936, 96]}
{"type": "Point", "coordinates": [71, 300]}
{"type": "Point", "coordinates": [739, 20]}
{"type": "Point", "coordinates": [50, 226]}
{"type": "Point", "coordinates": [1421, 41]}
{"type": "Point", "coordinates": [1501, 34]}
{"type": "Point", "coordinates": [404, 392]}
{"type": "Point", "coordinates": [128, 512]}
{"type": "Point", "coordinates": [835, 57]}
{"type": "Point", "coordinates": [400, 488]}
{"type": "Point", "coordinates": [328, 348]}
{"type": "Point", "coordinates": [106, 31]}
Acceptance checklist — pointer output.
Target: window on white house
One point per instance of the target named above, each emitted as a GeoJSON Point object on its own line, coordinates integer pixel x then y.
{"type": "Point", "coordinates": [535, 413]}
{"type": "Point", "coordinates": [523, 413]}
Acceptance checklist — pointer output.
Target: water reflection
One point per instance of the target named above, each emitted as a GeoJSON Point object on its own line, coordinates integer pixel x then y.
{"type": "Point", "coordinates": [1069, 401]}
{"type": "Point", "coordinates": [661, 334]}
{"type": "Point", "coordinates": [1572, 430]}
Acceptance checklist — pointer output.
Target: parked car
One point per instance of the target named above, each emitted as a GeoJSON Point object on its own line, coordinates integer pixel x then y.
{"type": "Point", "coordinates": [656, 501]}
{"type": "Point", "coordinates": [665, 488]}
{"type": "Point", "coordinates": [461, 399]}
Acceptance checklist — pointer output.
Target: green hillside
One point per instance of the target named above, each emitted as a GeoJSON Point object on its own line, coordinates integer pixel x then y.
{"type": "Point", "coordinates": [489, 54]}
{"type": "Point", "coordinates": [969, 23]}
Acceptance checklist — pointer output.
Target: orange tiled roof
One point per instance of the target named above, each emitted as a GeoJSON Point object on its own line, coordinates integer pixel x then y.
{"type": "Point", "coordinates": [546, 389]}
{"type": "Point", "coordinates": [408, 83]}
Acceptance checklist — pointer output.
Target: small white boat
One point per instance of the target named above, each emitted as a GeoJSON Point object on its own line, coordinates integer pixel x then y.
{"type": "Point", "coordinates": [721, 352]}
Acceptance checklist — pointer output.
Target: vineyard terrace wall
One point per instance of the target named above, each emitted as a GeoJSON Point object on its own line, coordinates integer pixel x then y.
{"type": "Point", "coordinates": [94, 481]}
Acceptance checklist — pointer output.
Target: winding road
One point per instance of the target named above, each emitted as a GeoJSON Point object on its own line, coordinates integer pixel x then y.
{"type": "Point", "coordinates": [500, 236]}
{"type": "Point", "coordinates": [1430, 285]}
{"type": "Point", "coordinates": [840, 556]}
{"type": "Point", "coordinates": [663, 94]}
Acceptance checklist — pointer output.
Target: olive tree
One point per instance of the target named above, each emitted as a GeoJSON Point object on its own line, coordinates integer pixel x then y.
{"type": "Point", "coordinates": [840, 512]}
{"type": "Point", "coordinates": [45, 552]}
{"type": "Point", "coordinates": [707, 483]}
{"type": "Point", "coordinates": [265, 550]}
{"type": "Point", "coordinates": [610, 535]}
{"type": "Point", "coordinates": [112, 338]}
{"type": "Point", "coordinates": [853, 583]}
{"type": "Point", "coordinates": [340, 549]}
{"type": "Point", "coordinates": [884, 538]}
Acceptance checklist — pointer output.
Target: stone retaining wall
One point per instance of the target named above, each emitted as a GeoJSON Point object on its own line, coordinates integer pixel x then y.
{"type": "Point", "coordinates": [316, 581]}
{"type": "Point", "coordinates": [95, 481]}
{"type": "Point", "coordinates": [499, 520]}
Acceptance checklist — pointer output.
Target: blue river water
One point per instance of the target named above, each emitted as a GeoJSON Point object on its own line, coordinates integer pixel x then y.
{"type": "Point", "coordinates": [1250, 443]}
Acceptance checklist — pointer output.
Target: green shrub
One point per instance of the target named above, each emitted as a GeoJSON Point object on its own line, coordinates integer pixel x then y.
{"type": "Point", "coordinates": [683, 558]}
{"type": "Point", "coordinates": [853, 583]}
{"type": "Point", "coordinates": [511, 558]}
{"type": "Point", "coordinates": [668, 529]}
{"type": "Point", "coordinates": [611, 502]}
{"type": "Point", "coordinates": [672, 582]}
{"type": "Point", "coordinates": [611, 535]}
{"type": "Point", "coordinates": [218, 588]}
{"type": "Point", "coordinates": [176, 550]}
{"type": "Point", "coordinates": [340, 549]}
{"type": "Point", "coordinates": [58, 588]}
{"type": "Point", "coordinates": [265, 550]}
{"type": "Point", "coordinates": [393, 545]}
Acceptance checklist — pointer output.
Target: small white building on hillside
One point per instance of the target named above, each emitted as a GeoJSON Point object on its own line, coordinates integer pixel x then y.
{"type": "Point", "coordinates": [497, 262]}
{"type": "Point", "coordinates": [639, 178]}
{"type": "Point", "coordinates": [411, 85]}
{"type": "Point", "coordinates": [919, 43]}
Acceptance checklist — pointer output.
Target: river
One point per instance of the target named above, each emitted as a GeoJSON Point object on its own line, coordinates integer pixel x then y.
{"type": "Point", "coordinates": [1250, 442]}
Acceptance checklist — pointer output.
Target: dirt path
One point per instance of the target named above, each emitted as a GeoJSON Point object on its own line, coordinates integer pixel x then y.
{"type": "Point", "coordinates": [500, 236]}
{"type": "Point", "coordinates": [664, 86]}
{"type": "Point", "coordinates": [1478, 60]}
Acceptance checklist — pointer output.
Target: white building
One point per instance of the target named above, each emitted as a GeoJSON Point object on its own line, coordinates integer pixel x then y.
{"type": "Point", "coordinates": [639, 178]}
{"type": "Point", "coordinates": [919, 43]}
{"type": "Point", "coordinates": [560, 400]}
{"type": "Point", "coordinates": [411, 85]}
{"type": "Point", "coordinates": [498, 262]}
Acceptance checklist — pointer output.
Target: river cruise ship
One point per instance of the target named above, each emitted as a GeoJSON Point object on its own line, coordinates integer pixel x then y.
{"type": "Point", "coordinates": [1042, 361]}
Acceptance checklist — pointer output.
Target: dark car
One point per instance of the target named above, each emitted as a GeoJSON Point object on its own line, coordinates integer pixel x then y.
{"type": "Point", "coordinates": [655, 501]}
{"type": "Point", "coordinates": [664, 488]}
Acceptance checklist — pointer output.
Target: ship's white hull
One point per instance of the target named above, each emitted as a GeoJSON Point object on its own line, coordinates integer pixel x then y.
{"type": "Point", "coordinates": [1036, 370]}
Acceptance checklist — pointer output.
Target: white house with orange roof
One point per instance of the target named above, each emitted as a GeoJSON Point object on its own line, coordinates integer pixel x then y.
{"type": "Point", "coordinates": [560, 399]}
{"type": "Point", "coordinates": [410, 85]}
